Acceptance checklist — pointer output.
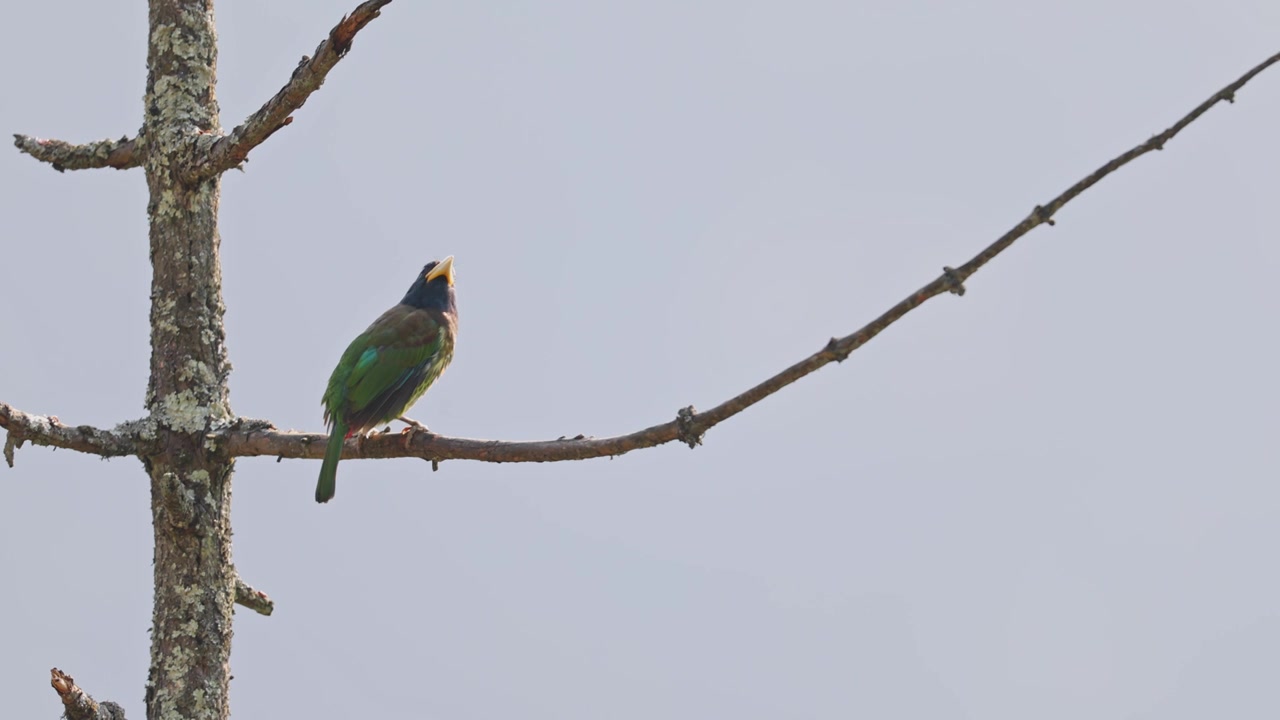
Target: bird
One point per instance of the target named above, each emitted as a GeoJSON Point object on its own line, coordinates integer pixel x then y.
{"type": "Point", "coordinates": [390, 365]}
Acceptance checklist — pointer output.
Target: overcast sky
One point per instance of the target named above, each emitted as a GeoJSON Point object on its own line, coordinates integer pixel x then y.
{"type": "Point", "coordinates": [1055, 497]}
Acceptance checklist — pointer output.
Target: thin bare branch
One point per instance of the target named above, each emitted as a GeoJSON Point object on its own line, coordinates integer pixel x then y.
{"type": "Point", "coordinates": [1045, 213]}
{"type": "Point", "coordinates": [49, 430]}
{"type": "Point", "coordinates": [120, 154]}
{"type": "Point", "coordinates": [258, 438]}
{"type": "Point", "coordinates": [79, 706]}
{"type": "Point", "coordinates": [255, 600]}
{"type": "Point", "coordinates": [231, 150]}
{"type": "Point", "coordinates": [689, 426]}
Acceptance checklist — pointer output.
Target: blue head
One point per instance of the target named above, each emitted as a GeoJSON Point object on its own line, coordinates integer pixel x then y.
{"type": "Point", "coordinates": [433, 288]}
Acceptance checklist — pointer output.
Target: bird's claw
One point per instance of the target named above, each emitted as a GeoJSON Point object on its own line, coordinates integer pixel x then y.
{"type": "Point", "coordinates": [412, 428]}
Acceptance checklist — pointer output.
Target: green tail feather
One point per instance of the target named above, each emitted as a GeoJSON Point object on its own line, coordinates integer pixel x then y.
{"type": "Point", "coordinates": [328, 483]}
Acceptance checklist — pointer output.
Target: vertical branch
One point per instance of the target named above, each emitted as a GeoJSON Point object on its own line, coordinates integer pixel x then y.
{"type": "Point", "coordinates": [187, 392]}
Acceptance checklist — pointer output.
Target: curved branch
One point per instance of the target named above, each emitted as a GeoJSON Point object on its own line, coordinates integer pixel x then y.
{"type": "Point", "coordinates": [256, 438]}
{"type": "Point", "coordinates": [689, 426]}
{"type": "Point", "coordinates": [78, 704]}
{"type": "Point", "coordinates": [231, 150]}
{"type": "Point", "coordinates": [120, 154]}
{"type": "Point", "coordinates": [49, 430]}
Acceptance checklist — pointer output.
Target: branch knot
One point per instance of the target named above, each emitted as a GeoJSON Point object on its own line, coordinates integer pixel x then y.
{"type": "Point", "coordinates": [688, 432]}
{"type": "Point", "coordinates": [833, 347]}
{"type": "Point", "coordinates": [1040, 215]}
{"type": "Point", "coordinates": [955, 284]}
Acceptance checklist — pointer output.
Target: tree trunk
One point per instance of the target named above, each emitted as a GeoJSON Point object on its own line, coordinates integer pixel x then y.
{"type": "Point", "coordinates": [187, 393]}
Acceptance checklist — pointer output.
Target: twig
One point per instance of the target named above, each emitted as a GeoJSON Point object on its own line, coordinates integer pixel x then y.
{"type": "Point", "coordinates": [689, 426]}
{"type": "Point", "coordinates": [120, 154]}
{"type": "Point", "coordinates": [79, 706]}
{"type": "Point", "coordinates": [255, 600]}
{"type": "Point", "coordinates": [231, 150]}
{"type": "Point", "coordinates": [49, 431]}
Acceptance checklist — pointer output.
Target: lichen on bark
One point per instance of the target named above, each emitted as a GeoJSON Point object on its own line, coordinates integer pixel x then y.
{"type": "Point", "coordinates": [187, 393]}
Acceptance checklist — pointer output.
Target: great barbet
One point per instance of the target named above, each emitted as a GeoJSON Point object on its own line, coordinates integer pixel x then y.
{"type": "Point", "coordinates": [390, 365]}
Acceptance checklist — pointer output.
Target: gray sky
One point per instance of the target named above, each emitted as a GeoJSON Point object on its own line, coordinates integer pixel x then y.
{"type": "Point", "coordinates": [1054, 497]}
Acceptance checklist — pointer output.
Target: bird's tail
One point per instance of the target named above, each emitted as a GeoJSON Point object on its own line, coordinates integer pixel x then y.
{"type": "Point", "coordinates": [328, 483]}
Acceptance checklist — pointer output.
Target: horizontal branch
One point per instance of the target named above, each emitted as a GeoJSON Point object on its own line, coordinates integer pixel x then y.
{"type": "Point", "coordinates": [231, 150]}
{"type": "Point", "coordinates": [120, 154]}
{"type": "Point", "coordinates": [428, 446]}
{"type": "Point", "coordinates": [689, 426]}
{"type": "Point", "coordinates": [255, 600]}
{"type": "Point", "coordinates": [48, 430]}
{"type": "Point", "coordinates": [78, 704]}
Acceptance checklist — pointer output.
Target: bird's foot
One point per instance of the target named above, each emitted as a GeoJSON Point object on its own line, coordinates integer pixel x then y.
{"type": "Point", "coordinates": [413, 428]}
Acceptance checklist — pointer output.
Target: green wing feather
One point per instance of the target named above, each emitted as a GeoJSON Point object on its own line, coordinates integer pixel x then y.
{"type": "Point", "coordinates": [382, 371]}
{"type": "Point", "coordinates": [378, 364]}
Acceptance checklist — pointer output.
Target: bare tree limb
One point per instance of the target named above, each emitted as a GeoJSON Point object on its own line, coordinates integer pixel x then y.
{"type": "Point", "coordinates": [79, 706]}
{"type": "Point", "coordinates": [428, 446]}
{"type": "Point", "coordinates": [689, 426]}
{"type": "Point", "coordinates": [231, 150]}
{"type": "Point", "coordinates": [120, 154]}
{"type": "Point", "coordinates": [255, 600]}
{"type": "Point", "coordinates": [246, 438]}
{"type": "Point", "coordinates": [48, 430]}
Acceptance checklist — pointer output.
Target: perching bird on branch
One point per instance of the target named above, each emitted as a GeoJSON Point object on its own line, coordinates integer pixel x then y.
{"type": "Point", "coordinates": [390, 365]}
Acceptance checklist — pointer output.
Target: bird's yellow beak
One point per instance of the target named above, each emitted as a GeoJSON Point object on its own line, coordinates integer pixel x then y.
{"type": "Point", "coordinates": [443, 269]}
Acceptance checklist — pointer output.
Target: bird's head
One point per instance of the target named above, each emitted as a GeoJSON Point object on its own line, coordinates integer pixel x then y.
{"type": "Point", "coordinates": [433, 288]}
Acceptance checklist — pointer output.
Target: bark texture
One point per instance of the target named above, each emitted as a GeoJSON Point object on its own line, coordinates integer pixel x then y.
{"type": "Point", "coordinates": [187, 394]}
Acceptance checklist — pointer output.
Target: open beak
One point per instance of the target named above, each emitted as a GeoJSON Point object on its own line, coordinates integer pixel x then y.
{"type": "Point", "coordinates": [443, 269]}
